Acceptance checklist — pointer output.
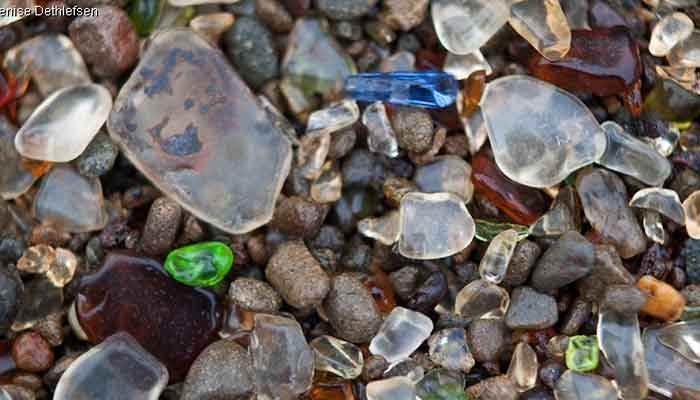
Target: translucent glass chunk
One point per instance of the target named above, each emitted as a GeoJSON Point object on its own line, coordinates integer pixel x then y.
{"type": "Point", "coordinates": [667, 368]}
{"type": "Point", "coordinates": [529, 125]}
{"type": "Point", "coordinates": [462, 66]}
{"type": "Point", "coordinates": [691, 205]}
{"type": "Point", "coordinates": [686, 53]}
{"type": "Point", "coordinates": [337, 357]}
{"type": "Point", "coordinates": [653, 227]}
{"type": "Point", "coordinates": [543, 24]}
{"type": "Point", "coordinates": [391, 389]}
{"type": "Point", "coordinates": [630, 156]}
{"type": "Point", "coordinates": [449, 174]}
{"type": "Point", "coordinates": [327, 188]}
{"type": "Point", "coordinates": [381, 137]}
{"type": "Point", "coordinates": [312, 152]}
{"type": "Point", "coordinates": [15, 179]}
{"type": "Point", "coordinates": [523, 367]}
{"type": "Point", "coordinates": [620, 341]}
{"type": "Point", "coordinates": [666, 142]}
{"type": "Point", "coordinates": [663, 201]}
{"type": "Point", "coordinates": [481, 299]}
{"type": "Point", "coordinates": [434, 225]}
{"type": "Point", "coordinates": [333, 118]}
{"type": "Point", "coordinates": [475, 129]}
{"type": "Point", "coordinates": [684, 338]}
{"type": "Point", "coordinates": [441, 384]}
{"type": "Point", "coordinates": [448, 348]}
{"type": "Point", "coordinates": [63, 125]}
{"type": "Point", "coordinates": [494, 263]}
{"type": "Point", "coordinates": [429, 89]}
{"type": "Point", "coordinates": [463, 26]}
{"type": "Point", "coordinates": [118, 368]}
{"type": "Point", "coordinates": [212, 25]}
{"type": "Point", "coordinates": [385, 229]}
{"type": "Point", "coordinates": [557, 221]}
{"type": "Point", "coordinates": [579, 386]}
{"type": "Point", "coordinates": [401, 333]}
{"type": "Point", "coordinates": [576, 13]}
{"type": "Point", "coordinates": [668, 32]}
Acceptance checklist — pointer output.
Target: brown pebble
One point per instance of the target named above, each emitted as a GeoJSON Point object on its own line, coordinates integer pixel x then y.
{"type": "Point", "coordinates": [274, 15]}
{"type": "Point", "coordinates": [577, 314]}
{"type": "Point", "coordinates": [414, 128]}
{"type": "Point", "coordinates": [297, 276]}
{"type": "Point", "coordinates": [691, 293]}
{"type": "Point", "coordinates": [351, 310]}
{"type": "Point", "coordinates": [664, 302]}
{"type": "Point", "coordinates": [257, 249]}
{"type": "Point", "coordinates": [27, 380]}
{"type": "Point", "coordinates": [51, 328]}
{"type": "Point", "coordinates": [32, 353]}
{"type": "Point", "coordinates": [108, 42]}
{"type": "Point", "coordinates": [162, 225]}
{"type": "Point", "coordinates": [299, 217]}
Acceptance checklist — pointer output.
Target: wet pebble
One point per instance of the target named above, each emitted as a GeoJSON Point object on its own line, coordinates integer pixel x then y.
{"type": "Point", "coordinates": [351, 309]}
{"type": "Point", "coordinates": [222, 370]}
{"type": "Point", "coordinates": [530, 309]}
{"type": "Point", "coordinates": [297, 276]}
{"type": "Point", "coordinates": [254, 295]}
{"type": "Point", "coordinates": [32, 353]}
{"type": "Point", "coordinates": [251, 48]}
{"type": "Point", "coordinates": [487, 338]}
{"type": "Point", "coordinates": [566, 261]}
{"type": "Point", "coordinates": [577, 314]}
{"type": "Point", "coordinates": [692, 295]}
{"type": "Point", "coordinates": [362, 168]}
{"type": "Point", "coordinates": [298, 217]}
{"type": "Point", "coordinates": [161, 227]}
{"type": "Point", "coordinates": [98, 158]}
{"type": "Point", "coordinates": [691, 257]}
{"type": "Point", "coordinates": [11, 289]}
{"type": "Point", "coordinates": [625, 299]}
{"type": "Point", "coordinates": [429, 293]}
{"type": "Point", "coordinates": [521, 263]}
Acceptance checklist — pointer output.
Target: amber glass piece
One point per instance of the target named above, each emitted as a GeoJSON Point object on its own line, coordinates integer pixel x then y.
{"type": "Point", "coordinates": [472, 89]}
{"type": "Point", "coordinates": [331, 389]}
{"type": "Point", "coordinates": [134, 294]}
{"type": "Point", "coordinates": [604, 62]}
{"type": "Point", "coordinates": [8, 89]}
{"type": "Point", "coordinates": [36, 167]}
{"type": "Point", "coordinates": [381, 290]}
{"type": "Point", "coordinates": [524, 205]}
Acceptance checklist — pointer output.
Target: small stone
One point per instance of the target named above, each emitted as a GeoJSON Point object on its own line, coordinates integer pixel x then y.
{"type": "Point", "coordinates": [494, 263]}
{"type": "Point", "coordinates": [441, 384]}
{"type": "Point", "coordinates": [337, 357]}
{"type": "Point", "coordinates": [344, 9]}
{"type": "Point", "coordinates": [691, 206]}
{"type": "Point", "coordinates": [162, 226]}
{"type": "Point", "coordinates": [582, 353]}
{"type": "Point", "coordinates": [403, 14]}
{"type": "Point", "coordinates": [531, 310]}
{"type": "Point", "coordinates": [405, 281]}
{"type": "Point", "coordinates": [297, 276]}
{"type": "Point", "coordinates": [32, 353]}
{"type": "Point", "coordinates": [607, 270]}
{"type": "Point", "coordinates": [381, 137]}
{"type": "Point", "coordinates": [351, 310]}
{"type": "Point", "coordinates": [604, 200]}
{"type": "Point", "coordinates": [564, 262]}
{"type": "Point", "coordinates": [384, 229]}
{"type": "Point", "coordinates": [579, 386]}
{"type": "Point", "coordinates": [254, 295]}
{"type": "Point", "coordinates": [464, 26]}
{"type": "Point", "coordinates": [99, 157]}
{"type": "Point", "coordinates": [275, 15]}
{"type": "Point", "coordinates": [578, 313]}
{"type": "Point", "coordinates": [446, 174]}
{"type": "Point", "coordinates": [222, 370]}
{"type": "Point", "coordinates": [402, 332]}
{"type": "Point", "coordinates": [421, 216]}
{"type": "Point", "coordinates": [298, 217]}
{"type": "Point", "coordinates": [70, 201]}
{"type": "Point", "coordinates": [108, 41]}
{"type": "Point", "coordinates": [523, 367]}
{"type": "Point", "coordinates": [525, 120]}
{"type": "Point", "coordinates": [668, 32]}
{"type": "Point", "coordinates": [664, 302]}
{"type": "Point", "coordinates": [212, 25]}
{"type": "Point", "coordinates": [487, 338]}
{"type": "Point", "coordinates": [11, 289]}
{"type": "Point", "coordinates": [37, 259]}
{"type": "Point", "coordinates": [449, 349]}
{"type": "Point", "coordinates": [252, 51]}
{"type": "Point", "coordinates": [495, 388]}
{"type": "Point", "coordinates": [117, 365]}
{"type": "Point", "coordinates": [414, 128]}
{"type": "Point", "coordinates": [283, 362]}
{"type": "Point", "coordinates": [481, 299]}
{"type": "Point", "coordinates": [63, 125]}
{"type": "Point", "coordinates": [51, 328]}
{"type": "Point", "coordinates": [624, 299]}
{"type": "Point", "coordinates": [389, 389]}
{"type": "Point", "coordinates": [521, 263]}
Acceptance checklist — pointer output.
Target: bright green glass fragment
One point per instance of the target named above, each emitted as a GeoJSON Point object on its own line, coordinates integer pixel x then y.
{"type": "Point", "coordinates": [201, 264]}
{"type": "Point", "coordinates": [582, 353]}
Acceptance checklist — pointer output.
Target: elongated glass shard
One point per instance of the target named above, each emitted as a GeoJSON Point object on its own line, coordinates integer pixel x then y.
{"type": "Point", "coordinates": [429, 89]}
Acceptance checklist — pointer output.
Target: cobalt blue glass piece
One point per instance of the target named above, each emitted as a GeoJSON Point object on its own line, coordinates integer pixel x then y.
{"type": "Point", "coordinates": [428, 89]}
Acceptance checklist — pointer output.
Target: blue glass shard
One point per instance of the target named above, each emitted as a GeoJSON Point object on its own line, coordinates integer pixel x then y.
{"type": "Point", "coordinates": [428, 89]}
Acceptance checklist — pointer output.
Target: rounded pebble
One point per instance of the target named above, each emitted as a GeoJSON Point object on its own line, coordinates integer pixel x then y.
{"type": "Point", "coordinates": [254, 295]}
{"type": "Point", "coordinates": [351, 310]}
{"type": "Point", "coordinates": [162, 225]}
{"type": "Point", "coordinates": [32, 353]}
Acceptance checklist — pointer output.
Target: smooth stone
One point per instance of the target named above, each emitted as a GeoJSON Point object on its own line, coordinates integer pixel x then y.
{"type": "Point", "coordinates": [70, 201]}
{"type": "Point", "coordinates": [567, 260]}
{"type": "Point", "coordinates": [447, 173]}
{"type": "Point", "coordinates": [529, 309]}
{"type": "Point", "coordinates": [463, 26]}
{"type": "Point", "coordinates": [608, 270]}
{"type": "Point", "coordinates": [254, 295]}
{"type": "Point", "coordinates": [384, 229]}
{"type": "Point", "coordinates": [99, 156]}
{"type": "Point", "coordinates": [524, 259]}
{"type": "Point", "coordinates": [201, 264]}
{"type": "Point", "coordinates": [523, 367]}
{"type": "Point", "coordinates": [527, 121]}
{"type": "Point", "coordinates": [222, 370]}
{"type": "Point", "coordinates": [582, 353]}
{"type": "Point", "coordinates": [63, 125]}
{"type": "Point", "coordinates": [667, 368]}
{"type": "Point", "coordinates": [402, 332]}
{"type": "Point", "coordinates": [11, 289]}
{"type": "Point", "coordinates": [415, 130]}
{"type": "Point", "coordinates": [487, 339]}
{"type": "Point", "coordinates": [683, 337]}
{"type": "Point", "coordinates": [604, 200]}
{"type": "Point", "coordinates": [117, 368]}
{"type": "Point", "coordinates": [481, 299]}
{"type": "Point", "coordinates": [381, 137]}
{"type": "Point", "coordinates": [543, 24]}
{"type": "Point", "coordinates": [314, 62]}
{"type": "Point", "coordinates": [50, 60]}
{"type": "Point", "coordinates": [15, 179]}
{"type": "Point", "coordinates": [207, 132]}
{"type": "Point", "coordinates": [494, 262]}
{"type": "Point", "coordinates": [251, 49]}
{"type": "Point", "coordinates": [134, 294]}
{"type": "Point", "coordinates": [620, 341]}
{"type": "Point", "coordinates": [463, 66]}
{"type": "Point", "coordinates": [495, 388]}
{"type": "Point", "coordinates": [664, 302]}
{"type": "Point", "coordinates": [631, 156]}
{"type": "Point", "coordinates": [212, 25]}
{"type": "Point", "coordinates": [283, 363]}
{"type": "Point", "coordinates": [557, 221]}
{"type": "Point", "coordinates": [345, 10]}
{"type": "Point", "coordinates": [624, 299]}
{"type": "Point", "coordinates": [427, 89]}
{"type": "Point", "coordinates": [390, 389]}
{"type": "Point", "coordinates": [351, 309]}
{"type": "Point", "coordinates": [663, 201]}
{"type": "Point", "coordinates": [434, 225]}
{"type": "Point", "coordinates": [578, 386]}
{"type": "Point", "coordinates": [448, 348]}
{"type": "Point", "coordinates": [668, 32]}
{"type": "Point", "coordinates": [337, 357]}
{"type": "Point", "coordinates": [297, 275]}
{"type": "Point", "coordinates": [691, 206]}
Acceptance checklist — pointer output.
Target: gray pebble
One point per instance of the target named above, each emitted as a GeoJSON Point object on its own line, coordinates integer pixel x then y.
{"type": "Point", "coordinates": [254, 295]}
{"type": "Point", "coordinates": [405, 281]}
{"type": "Point", "coordinates": [345, 9]}
{"type": "Point", "coordinates": [222, 371]}
{"type": "Point", "coordinates": [524, 258]}
{"type": "Point", "coordinates": [487, 338]}
{"type": "Point", "coordinates": [161, 227]}
{"type": "Point", "coordinates": [567, 260]}
{"type": "Point", "coordinates": [351, 310]}
{"type": "Point", "coordinates": [577, 314]}
{"type": "Point", "coordinates": [414, 128]}
{"type": "Point", "coordinates": [625, 299]}
{"type": "Point", "coordinates": [251, 49]}
{"type": "Point", "coordinates": [607, 270]}
{"type": "Point", "coordinates": [297, 276]}
{"type": "Point", "coordinates": [530, 309]}
{"type": "Point", "coordinates": [692, 295]}
{"type": "Point", "coordinates": [98, 158]}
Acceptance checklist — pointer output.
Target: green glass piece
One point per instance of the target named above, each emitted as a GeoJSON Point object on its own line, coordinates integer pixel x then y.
{"type": "Point", "coordinates": [201, 264]}
{"type": "Point", "coordinates": [448, 392]}
{"type": "Point", "coordinates": [487, 230]}
{"type": "Point", "coordinates": [672, 102]}
{"type": "Point", "coordinates": [690, 313]}
{"type": "Point", "coordinates": [582, 353]}
{"type": "Point", "coordinates": [145, 14]}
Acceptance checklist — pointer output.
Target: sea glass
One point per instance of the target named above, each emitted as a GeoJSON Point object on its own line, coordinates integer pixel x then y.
{"type": "Point", "coordinates": [667, 368]}
{"type": "Point", "coordinates": [578, 386]}
{"type": "Point", "coordinates": [576, 13]}
{"type": "Point", "coordinates": [401, 333]}
{"type": "Point", "coordinates": [394, 388]}
{"type": "Point", "coordinates": [146, 14]}
{"type": "Point", "coordinates": [474, 129]}
{"type": "Point", "coordinates": [446, 174]}
{"type": "Point", "coordinates": [543, 24]}
{"type": "Point", "coordinates": [448, 348]}
{"type": "Point", "coordinates": [312, 152]}
{"type": "Point", "coordinates": [684, 338]}
{"type": "Point", "coordinates": [441, 384]}
{"type": "Point", "coordinates": [463, 26]}
{"type": "Point", "coordinates": [486, 231]}
{"type": "Point", "coordinates": [668, 32]}
{"type": "Point", "coordinates": [557, 221]}
{"type": "Point", "coordinates": [381, 137]}
{"type": "Point", "coordinates": [201, 264]}
{"type": "Point", "coordinates": [384, 229]}
{"type": "Point", "coordinates": [582, 353]}
{"type": "Point", "coordinates": [429, 89]}
{"type": "Point", "coordinates": [672, 101]}
{"type": "Point", "coordinates": [434, 225]}
{"type": "Point", "coordinates": [327, 188]}
{"type": "Point", "coordinates": [620, 341]}
{"type": "Point", "coordinates": [117, 368]}
{"type": "Point", "coordinates": [62, 126]}
{"type": "Point", "coordinates": [523, 367]}
{"type": "Point", "coordinates": [686, 54]}
{"type": "Point", "coordinates": [39, 299]}
{"type": "Point", "coordinates": [180, 133]}
{"type": "Point", "coordinates": [481, 299]}
{"type": "Point", "coordinates": [653, 226]}
{"type": "Point", "coordinates": [663, 201]}
{"type": "Point", "coordinates": [691, 205]}
{"type": "Point", "coordinates": [462, 66]}
{"type": "Point", "coordinates": [494, 263]}
{"type": "Point", "coordinates": [337, 357]}
{"type": "Point", "coordinates": [212, 25]}
{"type": "Point", "coordinates": [333, 118]}
{"type": "Point", "coordinates": [70, 201]}
{"type": "Point", "coordinates": [15, 178]}
{"type": "Point", "coordinates": [529, 122]}
{"type": "Point", "coordinates": [134, 294]}
{"type": "Point", "coordinates": [628, 155]}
